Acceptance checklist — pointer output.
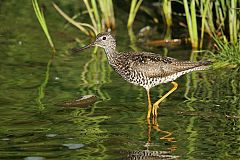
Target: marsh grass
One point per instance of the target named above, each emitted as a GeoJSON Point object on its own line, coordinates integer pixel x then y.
{"type": "Point", "coordinates": [40, 16]}
{"type": "Point", "coordinates": [218, 17]}
{"type": "Point", "coordinates": [135, 4]}
{"type": "Point", "coordinates": [42, 87]}
{"type": "Point", "coordinates": [234, 23]}
{"type": "Point", "coordinates": [84, 27]}
{"type": "Point", "coordinates": [93, 14]}
{"type": "Point", "coordinates": [101, 14]}
{"type": "Point", "coordinates": [191, 22]}
{"type": "Point", "coordinates": [167, 12]}
{"type": "Point", "coordinates": [228, 54]}
{"type": "Point", "coordinates": [106, 7]}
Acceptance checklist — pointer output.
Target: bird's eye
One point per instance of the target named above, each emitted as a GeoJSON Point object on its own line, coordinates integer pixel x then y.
{"type": "Point", "coordinates": [104, 38]}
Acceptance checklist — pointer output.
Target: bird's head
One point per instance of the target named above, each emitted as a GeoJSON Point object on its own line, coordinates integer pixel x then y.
{"type": "Point", "coordinates": [104, 40]}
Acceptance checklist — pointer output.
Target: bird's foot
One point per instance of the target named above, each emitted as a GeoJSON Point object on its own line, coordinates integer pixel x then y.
{"type": "Point", "coordinates": [154, 110]}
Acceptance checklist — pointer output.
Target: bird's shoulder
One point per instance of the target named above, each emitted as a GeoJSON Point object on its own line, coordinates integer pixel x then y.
{"type": "Point", "coordinates": [150, 64]}
{"type": "Point", "coordinates": [143, 58]}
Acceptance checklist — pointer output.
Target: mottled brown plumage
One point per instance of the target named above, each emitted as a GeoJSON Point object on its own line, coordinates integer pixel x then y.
{"type": "Point", "coordinates": [144, 68]}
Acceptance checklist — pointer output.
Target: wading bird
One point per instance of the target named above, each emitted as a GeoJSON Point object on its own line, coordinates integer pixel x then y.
{"type": "Point", "coordinates": [144, 68]}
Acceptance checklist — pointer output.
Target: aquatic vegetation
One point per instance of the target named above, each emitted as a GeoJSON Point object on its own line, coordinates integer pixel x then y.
{"type": "Point", "coordinates": [42, 21]}
{"type": "Point", "coordinates": [234, 21]}
{"type": "Point", "coordinates": [99, 22]}
{"type": "Point", "coordinates": [167, 12]}
{"type": "Point", "coordinates": [133, 11]}
{"type": "Point", "coordinates": [84, 27]}
{"type": "Point", "coordinates": [227, 54]}
{"type": "Point", "coordinates": [191, 22]}
{"type": "Point", "coordinates": [42, 87]}
{"type": "Point", "coordinates": [215, 15]}
{"type": "Point", "coordinates": [108, 17]}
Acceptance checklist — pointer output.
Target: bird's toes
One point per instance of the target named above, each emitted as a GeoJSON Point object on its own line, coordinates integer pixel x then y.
{"type": "Point", "coordinates": [154, 110]}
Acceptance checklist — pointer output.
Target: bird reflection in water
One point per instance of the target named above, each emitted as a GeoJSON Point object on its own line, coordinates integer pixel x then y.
{"type": "Point", "coordinates": [167, 135]}
{"type": "Point", "coordinates": [153, 154]}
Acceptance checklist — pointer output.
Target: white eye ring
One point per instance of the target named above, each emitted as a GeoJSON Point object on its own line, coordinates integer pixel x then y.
{"type": "Point", "coordinates": [104, 38]}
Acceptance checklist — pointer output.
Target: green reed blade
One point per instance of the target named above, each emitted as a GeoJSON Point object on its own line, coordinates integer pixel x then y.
{"type": "Point", "coordinates": [194, 24]}
{"type": "Point", "coordinates": [79, 25]}
{"type": "Point", "coordinates": [107, 11]}
{"type": "Point", "coordinates": [96, 15]}
{"type": "Point", "coordinates": [133, 11]}
{"type": "Point", "coordinates": [167, 10]}
{"type": "Point", "coordinates": [90, 12]}
{"type": "Point", "coordinates": [42, 21]}
{"type": "Point", "coordinates": [112, 17]}
{"type": "Point", "coordinates": [188, 18]}
{"type": "Point", "coordinates": [233, 21]}
{"type": "Point", "coordinates": [204, 13]}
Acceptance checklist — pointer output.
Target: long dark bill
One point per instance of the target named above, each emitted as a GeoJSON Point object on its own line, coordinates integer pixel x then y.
{"type": "Point", "coordinates": [74, 50]}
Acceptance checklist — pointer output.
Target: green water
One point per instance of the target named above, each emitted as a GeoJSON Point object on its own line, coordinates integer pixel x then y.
{"type": "Point", "coordinates": [198, 121]}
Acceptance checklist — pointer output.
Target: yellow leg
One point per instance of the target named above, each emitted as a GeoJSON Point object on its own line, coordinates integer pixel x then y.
{"type": "Point", "coordinates": [149, 131]}
{"type": "Point", "coordinates": [149, 104]}
{"type": "Point", "coordinates": [156, 104]}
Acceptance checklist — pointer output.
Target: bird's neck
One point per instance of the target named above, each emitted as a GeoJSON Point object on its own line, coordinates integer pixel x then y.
{"type": "Point", "coordinates": [111, 53]}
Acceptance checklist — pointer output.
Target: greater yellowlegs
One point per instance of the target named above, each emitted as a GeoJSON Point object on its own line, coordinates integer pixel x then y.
{"type": "Point", "coordinates": [144, 68]}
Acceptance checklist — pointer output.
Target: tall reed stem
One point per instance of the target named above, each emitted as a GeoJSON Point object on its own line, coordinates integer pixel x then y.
{"type": "Point", "coordinates": [42, 21]}
{"type": "Point", "coordinates": [133, 11]}
{"type": "Point", "coordinates": [233, 21]}
{"type": "Point", "coordinates": [192, 22]}
{"type": "Point", "coordinates": [167, 10]}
